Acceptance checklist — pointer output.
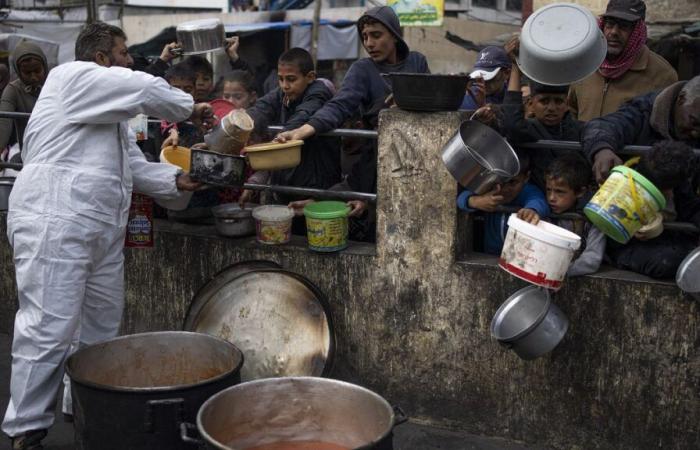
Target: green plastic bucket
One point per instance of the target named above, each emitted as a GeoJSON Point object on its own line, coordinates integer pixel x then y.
{"type": "Point", "coordinates": [624, 203]}
{"type": "Point", "coordinates": [327, 225]}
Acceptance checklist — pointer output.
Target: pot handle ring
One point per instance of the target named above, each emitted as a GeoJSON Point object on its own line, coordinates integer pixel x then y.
{"type": "Point", "coordinates": [185, 427]}
{"type": "Point", "coordinates": [400, 417]}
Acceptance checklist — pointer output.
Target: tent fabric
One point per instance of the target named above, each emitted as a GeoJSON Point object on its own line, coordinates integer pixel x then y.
{"type": "Point", "coordinates": [333, 42]}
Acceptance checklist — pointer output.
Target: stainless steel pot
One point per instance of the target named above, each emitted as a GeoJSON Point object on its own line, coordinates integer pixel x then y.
{"type": "Point", "coordinates": [296, 409]}
{"type": "Point", "coordinates": [6, 184]}
{"type": "Point", "coordinates": [478, 157]}
{"type": "Point", "coordinates": [201, 36]}
{"type": "Point", "coordinates": [132, 392]}
{"type": "Point", "coordinates": [529, 323]}
{"type": "Point", "coordinates": [688, 274]}
{"type": "Point", "coordinates": [234, 221]}
{"type": "Point", "coordinates": [231, 134]}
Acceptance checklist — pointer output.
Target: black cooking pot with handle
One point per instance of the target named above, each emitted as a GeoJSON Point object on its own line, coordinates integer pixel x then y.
{"type": "Point", "coordinates": [133, 392]}
{"type": "Point", "coordinates": [428, 92]}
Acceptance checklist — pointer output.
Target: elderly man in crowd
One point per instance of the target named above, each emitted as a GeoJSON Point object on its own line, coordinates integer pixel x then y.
{"type": "Point", "coordinates": [68, 213]}
{"type": "Point", "coordinates": [629, 69]}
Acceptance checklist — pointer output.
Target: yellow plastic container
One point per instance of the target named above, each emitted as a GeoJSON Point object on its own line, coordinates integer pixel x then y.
{"type": "Point", "coordinates": [177, 156]}
{"type": "Point", "coordinates": [274, 156]}
{"type": "Point", "coordinates": [624, 203]}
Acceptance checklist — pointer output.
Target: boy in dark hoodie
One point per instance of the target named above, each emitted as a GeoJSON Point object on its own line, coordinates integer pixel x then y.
{"type": "Point", "coordinates": [364, 90]}
{"type": "Point", "coordinates": [291, 105]}
{"type": "Point", "coordinates": [29, 63]}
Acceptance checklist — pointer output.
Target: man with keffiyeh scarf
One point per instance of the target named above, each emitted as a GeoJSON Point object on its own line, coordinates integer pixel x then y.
{"type": "Point", "coordinates": [630, 69]}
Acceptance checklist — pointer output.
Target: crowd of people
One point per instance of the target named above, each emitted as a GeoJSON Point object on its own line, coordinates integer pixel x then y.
{"type": "Point", "coordinates": [70, 288]}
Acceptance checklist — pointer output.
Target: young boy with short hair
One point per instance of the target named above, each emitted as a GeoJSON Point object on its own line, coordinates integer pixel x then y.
{"type": "Point", "coordinates": [516, 192]}
{"type": "Point", "coordinates": [291, 105]}
{"type": "Point", "coordinates": [204, 83]}
{"type": "Point", "coordinates": [568, 179]}
{"type": "Point", "coordinates": [181, 76]}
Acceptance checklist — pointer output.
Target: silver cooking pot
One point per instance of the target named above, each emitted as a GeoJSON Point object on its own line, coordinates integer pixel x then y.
{"type": "Point", "coordinates": [529, 323]}
{"type": "Point", "coordinates": [233, 221]}
{"type": "Point", "coordinates": [479, 158]}
{"type": "Point", "coordinates": [276, 410]}
{"type": "Point", "coordinates": [6, 184]}
{"type": "Point", "coordinates": [201, 36]}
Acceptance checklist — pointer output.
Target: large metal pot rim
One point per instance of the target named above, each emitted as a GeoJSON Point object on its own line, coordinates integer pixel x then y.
{"type": "Point", "coordinates": [150, 390]}
{"type": "Point", "coordinates": [214, 443]}
{"type": "Point", "coordinates": [510, 302]}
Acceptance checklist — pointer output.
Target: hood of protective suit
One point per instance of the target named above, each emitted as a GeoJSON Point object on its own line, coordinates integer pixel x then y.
{"type": "Point", "coordinates": [23, 50]}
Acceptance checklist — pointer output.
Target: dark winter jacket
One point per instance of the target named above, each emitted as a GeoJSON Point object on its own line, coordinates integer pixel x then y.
{"type": "Point", "coordinates": [519, 130]}
{"type": "Point", "coordinates": [641, 121]}
{"type": "Point", "coordinates": [320, 155]}
{"type": "Point", "coordinates": [17, 96]}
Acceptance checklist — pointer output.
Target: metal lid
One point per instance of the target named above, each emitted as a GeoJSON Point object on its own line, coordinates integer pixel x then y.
{"type": "Point", "coordinates": [688, 275]}
{"type": "Point", "coordinates": [279, 320]}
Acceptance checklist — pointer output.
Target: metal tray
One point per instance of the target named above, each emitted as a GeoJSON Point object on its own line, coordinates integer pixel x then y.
{"type": "Point", "coordinates": [217, 169]}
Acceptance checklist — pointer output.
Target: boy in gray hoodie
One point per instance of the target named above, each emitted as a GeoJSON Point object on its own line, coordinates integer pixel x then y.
{"type": "Point", "coordinates": [29, 63]}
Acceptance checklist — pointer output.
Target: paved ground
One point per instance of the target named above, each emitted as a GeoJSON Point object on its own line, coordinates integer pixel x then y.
{"type": "Point", "coordinates": [409, 436]}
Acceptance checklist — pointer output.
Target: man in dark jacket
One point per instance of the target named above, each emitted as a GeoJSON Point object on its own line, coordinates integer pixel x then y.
{"type": "Point", "coordinates": [671, 114]}
{"type": "Point", "coordinates": [364, 90]}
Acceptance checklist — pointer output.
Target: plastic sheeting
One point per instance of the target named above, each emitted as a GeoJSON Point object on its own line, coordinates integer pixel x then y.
{"type": "Point", "coordinates": [333, 42]}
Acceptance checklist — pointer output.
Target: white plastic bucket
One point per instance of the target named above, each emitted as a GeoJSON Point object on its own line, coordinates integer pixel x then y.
{"type": "Point", "coordinates": [540, 254]}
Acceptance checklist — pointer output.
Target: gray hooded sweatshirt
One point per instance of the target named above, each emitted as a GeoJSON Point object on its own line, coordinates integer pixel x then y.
{"type": "Point", "coordinates": [18, 96]}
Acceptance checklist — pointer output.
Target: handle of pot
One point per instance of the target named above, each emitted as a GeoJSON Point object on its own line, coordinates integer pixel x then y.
{"type": "Point", "coordinates": [152, 405]}
{"type": "Point", "coordinates": [185, 435]}
{"type": "Point", "coordinates": [399, 416]}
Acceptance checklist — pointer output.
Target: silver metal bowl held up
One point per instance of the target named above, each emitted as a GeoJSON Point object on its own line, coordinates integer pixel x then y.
{"type": "Point", "coordinates": [478, 157]}
{"type": "Point", "coordinates": [529, 323]}
{"type": "Point", "coordinates": [201, 36]}
{"type": "Point", "coordinates": [284, 410]}
{"type": "Point", "coordinates": [561, 44]}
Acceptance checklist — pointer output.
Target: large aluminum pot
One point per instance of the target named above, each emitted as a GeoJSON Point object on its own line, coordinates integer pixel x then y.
{"type": "Point", "coordinates": [284, 410]}
{"type": "Point", "coordinates": [529, 323]}
{"type": "Point", "coordinates": [6, 184]}
{"type": "Point", "coordinates": [233, 221]}
{"type": "Point", "coordinates": [561, 44]}
{"type": "Point", "coordinates": [478, 157]}
{"type": "Point", "coordinates": [201, 36]}
{"type": "Point", "coordinates": [132, 392]}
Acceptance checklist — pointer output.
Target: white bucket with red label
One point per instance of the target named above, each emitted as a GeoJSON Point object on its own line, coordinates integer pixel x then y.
{"type": "Point", "coordinates": [540, 254]}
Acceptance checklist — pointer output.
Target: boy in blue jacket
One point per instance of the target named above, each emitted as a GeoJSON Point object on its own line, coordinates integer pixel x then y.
{"type": "Point", "coordinates": [516, 192]}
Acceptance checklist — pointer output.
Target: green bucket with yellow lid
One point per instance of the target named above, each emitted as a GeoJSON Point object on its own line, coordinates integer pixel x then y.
{"type": "Point", "coordinates": [327, 225]}
{"type": "Point", "coordinates": [624, 203]}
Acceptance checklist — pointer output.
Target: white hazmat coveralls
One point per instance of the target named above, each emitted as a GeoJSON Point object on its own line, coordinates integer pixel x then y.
{"type": "Point", "coordinates": [67, 220]}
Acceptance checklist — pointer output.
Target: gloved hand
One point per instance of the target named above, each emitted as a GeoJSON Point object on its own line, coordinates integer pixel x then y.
{"type": "Point", "coordinates": [603, 161]}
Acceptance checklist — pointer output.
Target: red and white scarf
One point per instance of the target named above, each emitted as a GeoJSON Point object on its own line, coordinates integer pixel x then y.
{"type": "Point", "coordinates": [617, 67]}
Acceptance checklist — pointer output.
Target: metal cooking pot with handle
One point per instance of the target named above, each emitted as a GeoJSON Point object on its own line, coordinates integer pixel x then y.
{"type": "Point", "coordinates": [132, 392]}
{"type": "Point", "coordinates": [478, 157]}
{"type": "Point", "coordinates": [284, 410]}
{"type": "Point", "coordinates": [201, 36]}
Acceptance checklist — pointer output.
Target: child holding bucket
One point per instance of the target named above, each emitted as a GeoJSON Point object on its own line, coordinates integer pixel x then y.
{"type": "Point", "coordinates": [516, 192]}
{"type": "Point", "coordinates": [653, 251]}
{"type": "Point", "coordinates": [568, 179]}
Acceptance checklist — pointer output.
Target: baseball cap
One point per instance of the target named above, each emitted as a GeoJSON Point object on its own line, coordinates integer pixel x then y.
{"type": "Point", "coordinates": [489, 62]}
{"type": "Point", "coordinates": [630, 10]}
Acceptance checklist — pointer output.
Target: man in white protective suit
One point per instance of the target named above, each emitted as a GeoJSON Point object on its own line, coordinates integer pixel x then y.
{"type": "Point", "coordinates": [68, 212]}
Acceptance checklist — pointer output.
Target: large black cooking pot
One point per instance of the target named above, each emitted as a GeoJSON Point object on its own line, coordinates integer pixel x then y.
{"type": "Point", "coordinates": [285, 410]}
{"type": "Point", "coordinates": [133, 392]}
{"type": "Point", "coordinates": [428, 92]}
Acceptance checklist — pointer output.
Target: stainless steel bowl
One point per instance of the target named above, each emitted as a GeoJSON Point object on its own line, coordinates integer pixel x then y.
{"type": "Point", "coordinates": [688, 274]}
{"type": "Point", "coordinates": [201, 36]}
{"type": "Point", "coordinates": [233, 221]}
{"type": "Point", "coordinates": [529, 323]}
{"type": "Point", "coordinates": [478, 157]}
{"type": "Point", "coordinates": [561, 44]}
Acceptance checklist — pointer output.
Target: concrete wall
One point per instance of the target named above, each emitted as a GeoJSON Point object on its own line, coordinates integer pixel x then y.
{"type": "Point", "coordinates": [657, 10]}
{"type": "Point", "coordinates": [412, 322]}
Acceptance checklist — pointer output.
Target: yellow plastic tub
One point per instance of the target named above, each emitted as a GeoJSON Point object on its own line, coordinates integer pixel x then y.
{"type": "Point", "coordinates": [177, 156]}
{"type": "Point", "coordinates": [274, 156]}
